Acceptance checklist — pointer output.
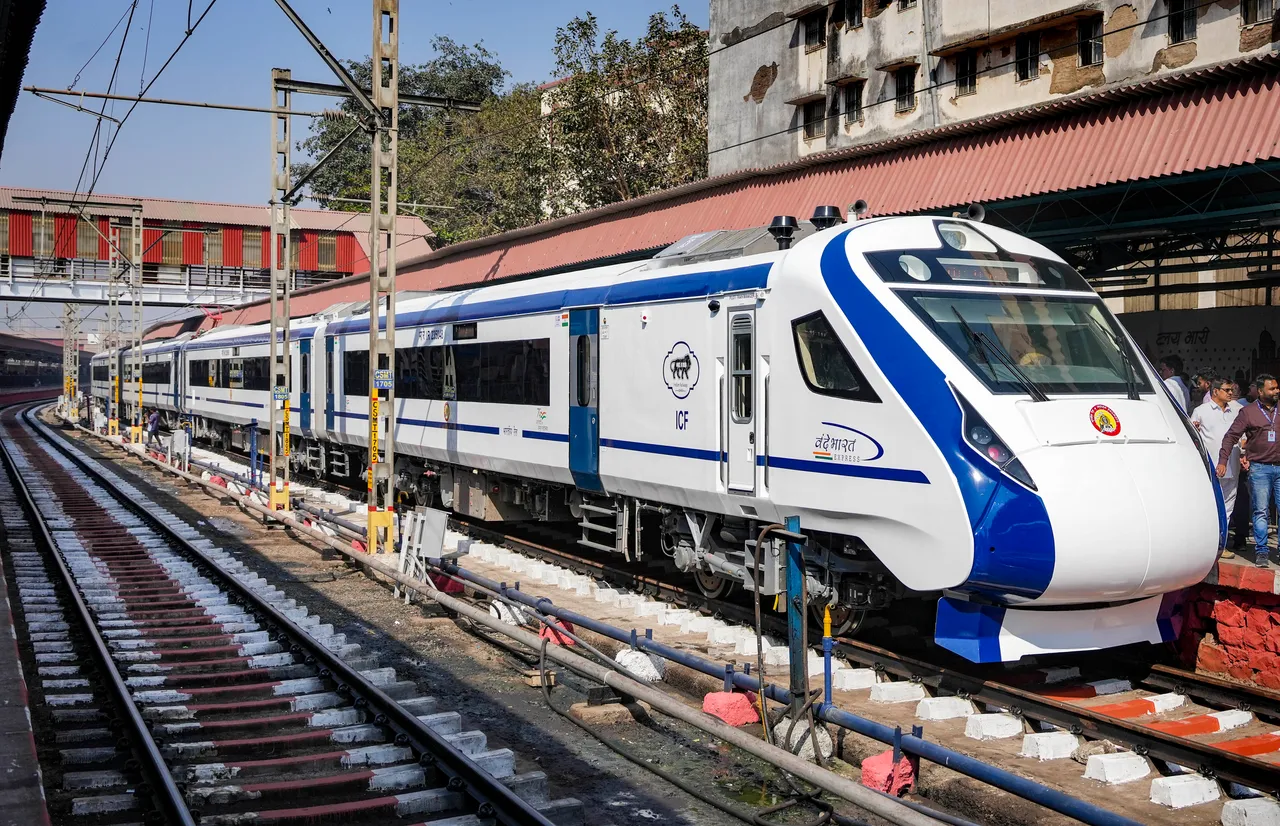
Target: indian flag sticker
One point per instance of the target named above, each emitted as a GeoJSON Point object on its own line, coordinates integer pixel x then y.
{"type": "Point", "coordinates": [824, 455]}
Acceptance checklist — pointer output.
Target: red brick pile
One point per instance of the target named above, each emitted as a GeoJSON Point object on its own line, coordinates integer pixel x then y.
{"type": "Point", "coordinates": [1233, 632]}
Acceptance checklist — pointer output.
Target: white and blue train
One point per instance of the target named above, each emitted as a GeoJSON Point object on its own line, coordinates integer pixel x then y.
{"type": "Point", "coordinates": [947, 407]}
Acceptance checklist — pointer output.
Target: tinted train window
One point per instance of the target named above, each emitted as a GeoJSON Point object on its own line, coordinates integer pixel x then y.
{"type": "Point", "coordinates": [495, 372]}
{"type": "Point", "coordinates": [740, 367]}
{"type": "Point", "coordinates": [101, 372]}
{"type": "Point", "coordinates": [156, 372]}
{"type": "Point", "coordinates": [355, 373]}
{"type": "Point", "coordinates": [825, 364]}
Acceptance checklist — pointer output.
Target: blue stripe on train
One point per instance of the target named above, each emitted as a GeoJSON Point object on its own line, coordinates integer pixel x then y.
{"type": "Point", "coordinates": [1013, 546]}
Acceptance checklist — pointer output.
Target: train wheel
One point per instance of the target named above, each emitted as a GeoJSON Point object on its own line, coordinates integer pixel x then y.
{"type": "Point", "coordinates": [712, 585]}
{"type": "Point", "coordinates": [845, 621]}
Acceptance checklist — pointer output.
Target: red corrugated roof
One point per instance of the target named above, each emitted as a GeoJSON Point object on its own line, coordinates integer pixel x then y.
{"type": "Point", "coordinates": [1176, 128]}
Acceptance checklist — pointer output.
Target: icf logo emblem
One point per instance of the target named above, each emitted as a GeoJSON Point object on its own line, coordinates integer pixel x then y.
{"type": "Point", "coordinates": [1104, 420]}
{"type": "Point", "coordinates": [680, 370]}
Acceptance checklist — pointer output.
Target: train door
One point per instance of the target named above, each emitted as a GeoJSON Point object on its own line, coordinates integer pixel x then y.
{"type": "Point", "coordinates": [584, 398]}
{"type": "Point", "coordinates": [328, 383]}
{"type": "Point", "coordinates": [740, 406]}
{"type": "Point", "coordinates": [304, 383]}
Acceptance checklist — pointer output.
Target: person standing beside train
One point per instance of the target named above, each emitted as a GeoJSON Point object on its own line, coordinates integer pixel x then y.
{"type": "Point", "coordinates": [1213, 419]}
{"type": "Point", "coordinates": [1170, 367]}
{"type": "Point", "coordinates": [1257, 423]}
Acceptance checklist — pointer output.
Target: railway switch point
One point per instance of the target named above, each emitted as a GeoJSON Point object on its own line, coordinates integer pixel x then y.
{"type": "Point", "coordinates": [899, 692]}
{"type": "Point", "coordinates": [1257, 811]}
{"type": "Point", "coordinates": [646, 666]}
{"type": "Point", "coordinates": [1050, 745]}
{"type": "Point", "coordinates": [732, 707]}
{"type": "Point", "coordinates": [945, 708]}
{"type": "Point", "coordinates": [1183, 790]}
{"type": "Point", "coordinates": [997, 726]}
{"type": "Point", "coordinates": [1116, 768]}
{"type": "Point", "coordinates": [881, 773]}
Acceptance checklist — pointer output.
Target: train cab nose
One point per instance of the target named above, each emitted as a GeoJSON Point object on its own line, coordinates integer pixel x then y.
{"type": "Point", "coordinates": [1134, 512]}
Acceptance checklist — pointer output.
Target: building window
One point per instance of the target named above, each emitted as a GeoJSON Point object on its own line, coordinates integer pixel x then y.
{"type": "Point", "coordinates": [814, 119]}
{"type": "Point", "coordinates": [904, 87]}
{"type": "Point", "coordinates": [1027, 64]}
{"type": "Point", "coordinates": [1258, 11]}
{"type": "Point", "coordinates": [1089, 41]}
{"type": "Point", "coordinates": [171, 246]}
{"type": "Point", "coordinates": [1182, 20]}
{"type": "Point", "coordinates": [86, 239]}
{"type": "Point", "coordinates": [213, 243]}
{"type": "Point", "coordinates": [328, 252]}
{"type": "Point", "coordinates": [4, 233]}
{"type": "Point", "coordinates": [815, 29]}
{"type": "Point", "coordinates": [252, 255]}
{"type": "Point", "coordinates": [853, 14]}
{"type": "Point", "coordinates": [42, 235]}
{"type": "Point", "coordinates": [853, 102]}
{"type": "Point", "coordinates": [903, 5]}
{"type": "Point", "coordinates": [966, 73]}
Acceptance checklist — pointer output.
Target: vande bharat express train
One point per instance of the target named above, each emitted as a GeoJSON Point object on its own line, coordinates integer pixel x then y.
{"type": "Point", "coordinates": [947, 407]}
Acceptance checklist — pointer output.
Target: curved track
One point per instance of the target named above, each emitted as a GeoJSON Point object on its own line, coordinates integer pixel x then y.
{"type": "Point", "coordinates": [180, 687]}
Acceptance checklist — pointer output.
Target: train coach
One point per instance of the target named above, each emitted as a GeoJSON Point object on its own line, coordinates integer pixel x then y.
{"type": "Point", "coordinates": [947, 407]}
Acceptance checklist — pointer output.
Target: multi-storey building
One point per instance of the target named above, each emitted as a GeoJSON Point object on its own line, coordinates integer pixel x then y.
{"type": "Point", "coordinates": [791, 78]}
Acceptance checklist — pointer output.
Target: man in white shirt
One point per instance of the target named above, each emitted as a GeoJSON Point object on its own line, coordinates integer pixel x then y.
{"type": "Point", "coordinates": [1170, 367]}
{"type": "Point", "coordinates": [1213, 420]}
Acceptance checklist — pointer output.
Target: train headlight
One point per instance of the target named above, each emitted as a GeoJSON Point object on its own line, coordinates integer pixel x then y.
{"type": "Point", "coordinates": [984, 440]}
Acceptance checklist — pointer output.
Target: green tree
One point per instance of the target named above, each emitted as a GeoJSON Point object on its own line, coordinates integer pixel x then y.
{"type": "Point", "coordinates": [442, 162]}
{"type": "Point", "coordinates": [629, 118]}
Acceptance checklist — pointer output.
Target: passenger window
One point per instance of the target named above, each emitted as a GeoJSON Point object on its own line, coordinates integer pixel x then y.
{"type": "Point", "coordinates": [584, 371]}
{"type": "Point", "coordinates": [305, 377]}
{"type": "Point", "coordinates": [825, 364]}
{"type": "Point", "coordinates": [740, 367]}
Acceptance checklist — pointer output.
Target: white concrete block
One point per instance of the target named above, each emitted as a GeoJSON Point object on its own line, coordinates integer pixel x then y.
{"type": "Point", "coordinates": [727, 635]}
{"type": "Point", "coordinates": [1118, 767]}
{"type": "Point", "coordinates": [778, 655]}
{"type": "Point", "coordinates": [699, 624]}
{"type": "Point", "coordinates": [1049, 745]}
{"type": "Point", "coordinates": [628, 602]}
{"type": "Point", "coordinates": [652, 608]}
{"type": "Point", "coordinates": [1060, 674]}
{"type": "Point", "coordinates": [1167, 702]}
{"type": "Point", "coordinates": [1234, 718]}
{"type": "Point", "coordinates": [944, 708]}
{"type": "Point", "coordinates": [1104, 687]}
{"type": "Point", "coordinates": [608, 596]}
{"type": "Point", "coordinates": [853, 679]}
{"type": "Point", "coordinates": [747, 645]}
{"type": "Point", "coordinates": [677, 616]}
{"type": "Point", "coordinates": [1183, 790]}
{"type": "Point", "coordinates": [645, 666]}
{"type": "Point", "coordinates": [1257, 811]}
{"type": "Point", "coordinates": [550, 574]}
{"type": "Point", "coordinates": [899, 692]}
{"type": "Point", "coordinates": [992, 726]}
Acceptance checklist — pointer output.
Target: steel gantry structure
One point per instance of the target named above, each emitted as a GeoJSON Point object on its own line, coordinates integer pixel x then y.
{"type": "Point", "coordinates": [379, 118]}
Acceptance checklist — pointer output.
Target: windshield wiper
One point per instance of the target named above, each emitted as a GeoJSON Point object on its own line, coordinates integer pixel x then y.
{"type": "Point", "coordinates": [1130, 370]}
{"type": "Point", "coordinates": [1003, 356]}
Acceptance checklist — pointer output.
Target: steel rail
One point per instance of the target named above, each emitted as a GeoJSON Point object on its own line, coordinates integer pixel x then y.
{"type": "Point", "coordinates": [1216, 691]}
{"type": "Point", "coordinates": [492, 798]}
{"type": "Point", "coordinates": [163, 790]}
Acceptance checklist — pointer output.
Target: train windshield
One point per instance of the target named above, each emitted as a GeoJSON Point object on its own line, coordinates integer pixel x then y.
{"type": "Point", "coordinates": [1024, 343]}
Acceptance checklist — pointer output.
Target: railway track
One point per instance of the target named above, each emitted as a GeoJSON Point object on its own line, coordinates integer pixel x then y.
{"type": "Point", "coordinates": [1188, 725]}
{"type": "Point", "coordinates": [174, 686]}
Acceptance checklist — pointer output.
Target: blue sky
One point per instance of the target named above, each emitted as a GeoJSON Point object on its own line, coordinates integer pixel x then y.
{"type": "Point", "coordinates": [223, 156]}
{"type": "Point", "coordinates": [168, 152]}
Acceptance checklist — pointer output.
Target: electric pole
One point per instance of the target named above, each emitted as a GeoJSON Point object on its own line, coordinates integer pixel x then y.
{"type": "Point", "coordinates": [135, 263]}
{"type": "Point", "coordinates": [382, 282]}
{"type": "Point", "coordinates": [281, 276]}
